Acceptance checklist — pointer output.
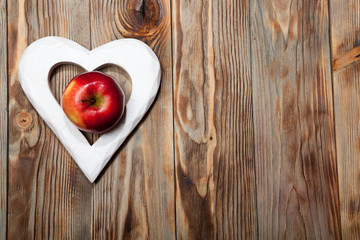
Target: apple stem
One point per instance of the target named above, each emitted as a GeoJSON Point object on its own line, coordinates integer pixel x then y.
{"type": "Point", "coordinates": [90, 101]}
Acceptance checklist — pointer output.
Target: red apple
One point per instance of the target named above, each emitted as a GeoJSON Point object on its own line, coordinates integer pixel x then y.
{"type": "Point", "coordinates": [93, 101]}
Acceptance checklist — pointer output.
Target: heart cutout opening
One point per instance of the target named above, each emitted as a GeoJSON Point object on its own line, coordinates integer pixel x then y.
{"type": "Point", "coordinates": [62, 73]}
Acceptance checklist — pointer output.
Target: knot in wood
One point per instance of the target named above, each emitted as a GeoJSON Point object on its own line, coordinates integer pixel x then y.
{"type": "Point", "coordinates": [23, 119]}
{"type": "Point", "coordinates": [144, 15]}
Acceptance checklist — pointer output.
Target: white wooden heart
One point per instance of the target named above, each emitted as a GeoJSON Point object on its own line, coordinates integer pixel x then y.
{"type": "Point", "coordinates": [134, 56]}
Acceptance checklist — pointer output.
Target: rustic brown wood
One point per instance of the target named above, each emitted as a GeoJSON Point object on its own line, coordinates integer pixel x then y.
{"type": "Point", "coordinates": [215, 176]}
{"type": "Point", "coordinates": [49, 197]}
{"type": "Point", "coordinates": [239, 144]}
{"type": "Point", "coordinates": [134, 197]}
{"type": "Point", "coordinates": [296, 175]}
{"type": "Point", "coordinates": [349, 57]}
{"type": "Point", "coordinates": [345, 39]}
{"type": "Point", "coordinates": [3, 119]}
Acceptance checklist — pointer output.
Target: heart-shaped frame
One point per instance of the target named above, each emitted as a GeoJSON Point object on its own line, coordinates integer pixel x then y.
{"type": "Point", "coordinates": [134, 56]}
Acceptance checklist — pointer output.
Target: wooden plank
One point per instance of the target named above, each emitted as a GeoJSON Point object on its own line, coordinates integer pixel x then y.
{"type": "Point", "coordinates": [345, 39]}
{"type": "Point", "coordinates": [296, 175]}
{"type": "Point", "coordinates": [134, 197]}
{"type": "Point", "coordinates": [214, 148]}
{"type": "Point", "coordinates": [347, 58]}
{"type": "Point", "coordinates": [3, 119]}
{"type": "Point", "coordinates": [49, 197]}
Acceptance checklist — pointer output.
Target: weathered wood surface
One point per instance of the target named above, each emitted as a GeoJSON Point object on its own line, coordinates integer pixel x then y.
{"type": "Point", "coordinates": [134, 197]}
{"type": "Point", "coordinates": [3, 119]}
{"type": "Point", "coordinates": [249, 137]}
{"type": "Point", "coordinates": [296, 175]}
{"type": "Point", "coordinates": [345, 39]}
{"type": "Point", "coordinates": [214, 149]}
{"type": "Point", "coordinates": [49, 197]}
{"type": "Point", "coordinates": [345, 59]}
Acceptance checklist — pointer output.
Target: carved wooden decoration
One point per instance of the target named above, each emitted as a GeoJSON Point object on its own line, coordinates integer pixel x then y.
{"type": "Point", "coordinates": [132, 55]}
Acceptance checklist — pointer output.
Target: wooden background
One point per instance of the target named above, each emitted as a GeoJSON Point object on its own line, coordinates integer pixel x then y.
{"type": "Point", "coordinates": [255, 132]}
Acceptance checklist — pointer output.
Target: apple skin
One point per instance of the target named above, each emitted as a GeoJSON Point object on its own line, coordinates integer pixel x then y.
{"type": "Point", "coordinates": [93, 101]}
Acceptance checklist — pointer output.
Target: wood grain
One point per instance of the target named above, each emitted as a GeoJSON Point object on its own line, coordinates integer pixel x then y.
{"type": "Point", "coordinates": [248, 138]}
{"type": "Point", "coordinates": [215, 175]}
{"type": "Point", "coordinates": [49, 197]}
{"type": "Point", "coordinates": [347, 58]}
{"type": "Point", "coordinates": [296, 174]}
{"type": "Point", "coordinates": [134, 196]}
{"type": "Point", "coordinates": [345, 38]}
{"type": "Point", "coordinates": [3, 119]}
